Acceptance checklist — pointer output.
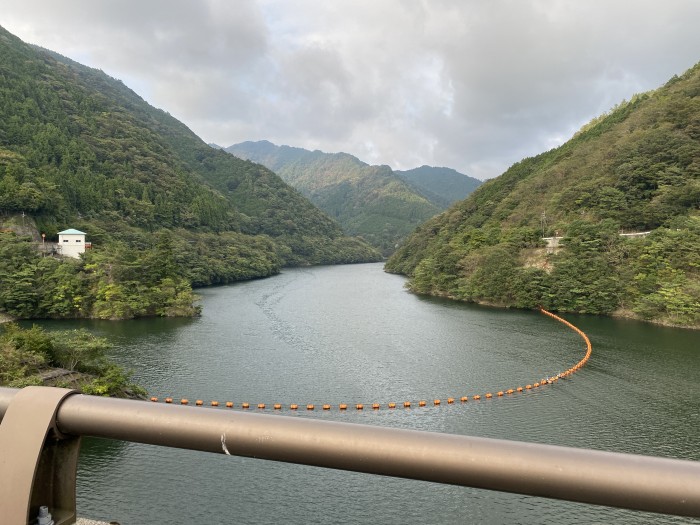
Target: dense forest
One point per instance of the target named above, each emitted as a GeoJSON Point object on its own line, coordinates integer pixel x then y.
{"type": "Point", "coordinates": [372, 202]}
{"type": "Point", "coordinates": [636, 168]}
{"type": "Point", "coordinates": [31, 356]}
{"type": "Point", "coordinates": [79, 149]}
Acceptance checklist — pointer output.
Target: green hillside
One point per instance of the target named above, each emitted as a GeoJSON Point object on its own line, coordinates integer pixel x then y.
{"type": "Point", "coordinates": [368, 201]}
{"type": "Point", "coordinates": [79, 149]}
{"type": "Point", "coordinates": [636, 168]}
{"type": "Point", "coordinates": [442, 185]}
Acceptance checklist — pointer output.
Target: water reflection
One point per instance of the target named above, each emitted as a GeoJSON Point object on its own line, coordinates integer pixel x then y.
{"type": "Point", "coordinates": [347, 334]}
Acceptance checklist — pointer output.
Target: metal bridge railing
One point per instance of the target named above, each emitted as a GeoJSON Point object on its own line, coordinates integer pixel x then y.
{"type": "Point", "coordinates": [40, 429]}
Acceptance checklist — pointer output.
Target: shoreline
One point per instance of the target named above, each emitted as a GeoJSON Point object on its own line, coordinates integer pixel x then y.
{"type": "Point", "coordinates": [620, 313]}
{"type": "Point", "coordinates": [626, 314]}
{"type": "Point", "coordinates": [617, 314]}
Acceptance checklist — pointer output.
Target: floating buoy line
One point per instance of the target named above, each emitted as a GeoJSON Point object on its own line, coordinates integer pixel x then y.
{"type": "Point", "coordinates": [548, 380]}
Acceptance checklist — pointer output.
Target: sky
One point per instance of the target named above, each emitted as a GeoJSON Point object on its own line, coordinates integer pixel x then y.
{"type": "Point", "coordinates": [474, 85]}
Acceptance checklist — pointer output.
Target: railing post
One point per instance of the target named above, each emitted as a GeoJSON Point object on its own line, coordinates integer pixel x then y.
{"type": "Point", "coordinates": [37, 463]}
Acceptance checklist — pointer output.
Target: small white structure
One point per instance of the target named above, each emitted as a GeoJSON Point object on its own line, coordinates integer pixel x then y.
{"type": "Point", "coordinates": [71, 243]}
{"type": "Point", "coordinates": [552, 243]}
{"type": "Point", "coordinates": [635, 234]}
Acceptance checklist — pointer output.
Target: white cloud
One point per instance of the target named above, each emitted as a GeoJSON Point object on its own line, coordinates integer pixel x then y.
{"type": "Point", "coordinates": [471, 85]}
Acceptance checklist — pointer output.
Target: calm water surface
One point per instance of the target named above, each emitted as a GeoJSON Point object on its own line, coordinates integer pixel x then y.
{"type": "Point", "coordinates": [353, 334]}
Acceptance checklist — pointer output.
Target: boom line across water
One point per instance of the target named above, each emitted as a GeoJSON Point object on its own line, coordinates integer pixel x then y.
{"type": "Point", "coordinates": [550, 379]}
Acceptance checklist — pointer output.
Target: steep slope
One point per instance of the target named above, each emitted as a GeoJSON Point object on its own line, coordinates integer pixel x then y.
{"type": "Point", "coordinates": [163, 210]}
{"type": "Point", "coordinates": [369, 201]}
{"type": "Point", "coordinates": [77, 145]}
{"type": "Point", "coordinates": [445, 184]}
{"type": "Point", "coordinates": [636, 168]}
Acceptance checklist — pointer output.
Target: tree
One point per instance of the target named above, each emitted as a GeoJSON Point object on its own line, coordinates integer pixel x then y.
{"type": "Point", "coordinates": [79, 349]}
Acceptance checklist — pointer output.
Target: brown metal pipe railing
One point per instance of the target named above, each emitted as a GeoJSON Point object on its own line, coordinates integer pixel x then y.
{"type": "Point", "coordinates": [621, 480]}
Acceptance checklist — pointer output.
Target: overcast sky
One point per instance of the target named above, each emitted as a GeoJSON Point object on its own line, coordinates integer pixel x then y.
{"type": "Point", "coordinates": [474, 85]}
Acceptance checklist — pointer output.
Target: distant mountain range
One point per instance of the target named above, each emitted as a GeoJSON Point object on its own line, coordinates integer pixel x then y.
{"type": "Point", "coordinates": [443, 186]}
{"type": "Point", "coordinates": [380, 205]}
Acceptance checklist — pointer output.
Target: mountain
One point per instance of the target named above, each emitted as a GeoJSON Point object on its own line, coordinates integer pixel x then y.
{"type": "Point", "coordinates": [163, 210]}
{"type": "Point", "coordinates": [369, 201]}
{"type": "Point", "coordinates": [444, 184]}
{"type": "Point", "coordinates": [77, 143]}
{"type": "Point", "coordinates": [633, 169]}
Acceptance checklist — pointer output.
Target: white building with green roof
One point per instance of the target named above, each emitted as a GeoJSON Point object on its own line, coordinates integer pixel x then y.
{"type": "Point", "coordinates": [71, 243]}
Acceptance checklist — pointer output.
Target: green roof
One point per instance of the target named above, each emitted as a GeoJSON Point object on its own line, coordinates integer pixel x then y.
{"type": "Point", "coordinates": [71, 231]}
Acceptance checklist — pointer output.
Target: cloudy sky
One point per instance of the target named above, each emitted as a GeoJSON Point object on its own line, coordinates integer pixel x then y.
{"type": "Point", "coordinates": [475, 85]}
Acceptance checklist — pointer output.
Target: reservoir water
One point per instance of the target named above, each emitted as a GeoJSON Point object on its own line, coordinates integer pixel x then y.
{"type": "Point", "coordinates": [350, 334]}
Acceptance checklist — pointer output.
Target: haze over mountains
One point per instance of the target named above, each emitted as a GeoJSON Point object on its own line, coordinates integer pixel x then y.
{"type": "Point", "coordinates": [378, 204]}
{"type": "Point", "coordinates": [443, 186]}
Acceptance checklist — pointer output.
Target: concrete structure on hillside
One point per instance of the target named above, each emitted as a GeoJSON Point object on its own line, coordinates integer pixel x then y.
{"type": "Point", "coordinates": [71, 243]}
{"type": "Point", "coordinates": [635, 234]}
{"type": "Point", "coordinates": [552, 243]}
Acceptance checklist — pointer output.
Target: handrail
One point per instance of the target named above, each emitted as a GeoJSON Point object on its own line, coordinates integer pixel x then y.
{"type": "Point", "coordinates": [604, 478]}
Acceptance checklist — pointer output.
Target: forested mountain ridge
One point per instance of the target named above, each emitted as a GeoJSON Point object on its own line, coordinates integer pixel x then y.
{"type": "Point", "coordinates": [369, 201]}
{"type": "Point", "coordinates": [79, 149]}
{"type": "Point", "coordinates": [635, 168]}
{"type": "Point", "coordinates": [447, 185]}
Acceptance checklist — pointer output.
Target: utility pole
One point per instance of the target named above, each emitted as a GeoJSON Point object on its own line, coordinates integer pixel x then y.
{"type": "Point", "coordinates": [543, 222]}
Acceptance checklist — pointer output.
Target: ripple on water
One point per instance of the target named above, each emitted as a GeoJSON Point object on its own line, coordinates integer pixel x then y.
{"type": "Point", "coordinates": [352, 333]}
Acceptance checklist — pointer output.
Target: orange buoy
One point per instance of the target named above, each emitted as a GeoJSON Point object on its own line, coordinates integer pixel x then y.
{"type": "Point", "coordinates": [422, 403]}
{"type": "Point", "coordinates": [293, 406]}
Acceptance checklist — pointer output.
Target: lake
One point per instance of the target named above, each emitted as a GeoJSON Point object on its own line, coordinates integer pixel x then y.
{"type": "Point", "coordinates": [353, 334]}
